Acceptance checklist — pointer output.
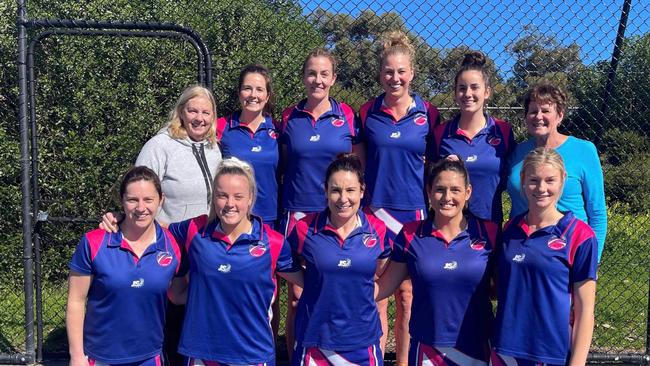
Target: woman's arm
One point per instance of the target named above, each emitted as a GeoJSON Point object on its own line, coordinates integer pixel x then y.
{"type": "Point", "coordinates": [295, 278]}
{"type": "Point", "coordinates": [584, 296]}
{"type": "Point", "coordinates": [382, 264]}
{"type": "Point", "coordinates": [78, 286]}
{"type": "Point", "coordinates": [593, 190]}
{"type": "Point", "coordinates": [177, 291]}
{"type": "Point", "coordinates": [390, 279]}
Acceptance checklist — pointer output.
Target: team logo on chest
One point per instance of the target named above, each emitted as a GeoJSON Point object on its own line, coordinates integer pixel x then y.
{"type": "Point", "coordinates": [369, 240]}
{"type": "Point", "coordinates": [314, 138]}
{"type": "Point", "coordinates": [471, 158]}
{"type": "Point", "coordinates": [257, 250]}
{"type": "Point", "coordinates": [420, 119]}
{"type": "Point", "coordinates": [556, 243]}
{"type": "Point", "coordinates": [494, 140]}
{"type": "Point", "coordinates": [395, 135]}
{"type": "Point", "coordinates": [477, 244]}
{"type": "Point", "coordinates": [337, 122]}
{"type": "Point", "coordinates": [164, 259]}
{"type": "Point", "coordinates": [273, 134]}
{"type": "Point", "coordinates": [257, 148]}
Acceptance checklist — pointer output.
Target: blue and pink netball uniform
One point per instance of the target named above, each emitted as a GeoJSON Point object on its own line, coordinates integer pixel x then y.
{"type": "Point", "coordinates": [230, 292]}
{"type": "Point", "coordinates": [312, 144]}
{"type": "Point", "coordinates": [337, 319]}
{"type": "Point", "coordinates": [536, 276]}
{"type": "Point", "coordinates": [451, 315]}
{"type": "Point", "coordinates": [125, 310]}
{"type": "Point", "coordinates": [485, 158]}
{"type": "Point", "coordinates": [260, 149]}
{"type": "Point", "coordinates": [395, 152]}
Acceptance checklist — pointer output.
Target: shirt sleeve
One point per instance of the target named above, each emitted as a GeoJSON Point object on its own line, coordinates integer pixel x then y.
{"type": "Point", "coordinates": [286, 262]}
{"type": "Point", "coordinates": [81, 261]}
{"type": "Point", "coordinates": [179, 232]}
{"type": "Point", "coordinates": [585, 261]}
{"type": "Point", "coordinates": [593, 189]}
{"type": "Point", "coordinates": [398, 254]}
{"type": "Point", "coordinates": [153, 156]}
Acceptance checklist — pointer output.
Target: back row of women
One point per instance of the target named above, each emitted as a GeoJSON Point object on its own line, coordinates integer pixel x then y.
{"type": "Point", "coordinates": [449, 256]}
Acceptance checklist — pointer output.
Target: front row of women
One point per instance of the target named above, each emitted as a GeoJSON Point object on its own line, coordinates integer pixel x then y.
{"type": "Point", "coordinates": [544, 264]}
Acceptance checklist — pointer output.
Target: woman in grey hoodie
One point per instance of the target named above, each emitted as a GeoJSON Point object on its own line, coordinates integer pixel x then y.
{"type": "Point", "coordinates": [185, 154]}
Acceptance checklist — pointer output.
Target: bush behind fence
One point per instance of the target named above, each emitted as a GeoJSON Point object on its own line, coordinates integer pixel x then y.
{"type": "Point", "coordinates": [99, 99]}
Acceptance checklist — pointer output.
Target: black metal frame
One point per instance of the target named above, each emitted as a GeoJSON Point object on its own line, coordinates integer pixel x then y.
{"type": "Point", "coordinates": [31, 197]}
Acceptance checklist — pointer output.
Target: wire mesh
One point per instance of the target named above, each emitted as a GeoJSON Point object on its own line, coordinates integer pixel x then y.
{"type": "Point", "coordinates": [99, 99]}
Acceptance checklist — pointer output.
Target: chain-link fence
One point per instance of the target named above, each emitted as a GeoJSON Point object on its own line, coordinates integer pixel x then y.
{"type": "Point", "coordinates": [99, 97]}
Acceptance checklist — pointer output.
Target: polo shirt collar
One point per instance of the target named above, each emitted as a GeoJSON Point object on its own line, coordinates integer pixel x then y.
{"type": "Point", "coordinates": [559, 230]}
{"type": "Point", "coordinates": [234, 122]}
{"type": "Point", "coordinates": [117, 240]}
{"type": "Point", "coordinates": [323, 223]}
{"type": "Point", "coordinates": [429, 228]}
{"type": "Point", "coordinates": [335, 109]}
{"type": "Point", "coordinates": [417, 105]}
{"type": "Point", "coordinates": [256, 234]}
{"type": "Point", "coordinates": [489, 128]}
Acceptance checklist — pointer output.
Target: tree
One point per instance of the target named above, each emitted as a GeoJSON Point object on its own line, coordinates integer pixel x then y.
{"type": "Point", "coordinates": [541, 55]}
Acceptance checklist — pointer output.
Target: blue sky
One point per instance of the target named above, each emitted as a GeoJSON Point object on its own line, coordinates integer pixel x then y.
{"type": "Point", "coordinates": [490, 25]}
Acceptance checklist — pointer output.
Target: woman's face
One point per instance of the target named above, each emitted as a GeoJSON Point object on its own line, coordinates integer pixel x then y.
{"type": "Point", "coordinates": [344, 194]}
{"type": "Point", "coordinates": [542, 119]}
{"type": "Point", "coordinates": [318, 78]}
{"type": "Point", "coordinates": [448, 194]}
{"type": "Point", "coordinates": [396, 75]}
{"type": "Point", "coordinates": [140, 203]}
{"type": "Point", "coordinates": [542, 186]}
{"type": "Point", "coordinates": [232, 199]}
{"type": "Point", "coordinates": [253, 94]}
{"type": "Point", "coordinates": [197, 116]}
{"type": "Point", "coordinates": [471, 91]}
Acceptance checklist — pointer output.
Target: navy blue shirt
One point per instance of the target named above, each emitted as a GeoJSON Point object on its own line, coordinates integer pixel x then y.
{"type": "Point", "coordinates": [311, 146]}
{"type": "Point", "coordinates": [337, 310]}
{"type": "Point", "coordinates": [536, 275]}
{"type": "Point", "coordinates": [485, 158]}
{"type": "Point", "coordinates": [395, 153]}
{"type": "Point", "coordinates": [260, 149]}
{"type": "Point", "coordinates": [230, 290]}
{"type": "Point", "coordinates": [451, 282]}
{"type": "Point", "coordinates": [125, 311]}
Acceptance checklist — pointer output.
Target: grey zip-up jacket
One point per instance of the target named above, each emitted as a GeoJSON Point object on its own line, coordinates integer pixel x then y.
{"type": "Point", "coordinates": [186, 170]}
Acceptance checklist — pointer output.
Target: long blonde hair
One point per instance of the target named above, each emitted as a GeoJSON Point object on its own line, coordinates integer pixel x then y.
{"type": "Point", "coordinates": [175, 125]}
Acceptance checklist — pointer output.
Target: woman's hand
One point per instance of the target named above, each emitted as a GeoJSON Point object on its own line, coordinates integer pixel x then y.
{"type": "Point", "coordinates": [110, 222]}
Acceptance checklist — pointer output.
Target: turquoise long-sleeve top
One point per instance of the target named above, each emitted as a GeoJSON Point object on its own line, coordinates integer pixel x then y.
{"type": "Point", "coordinates": [584, 190]}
